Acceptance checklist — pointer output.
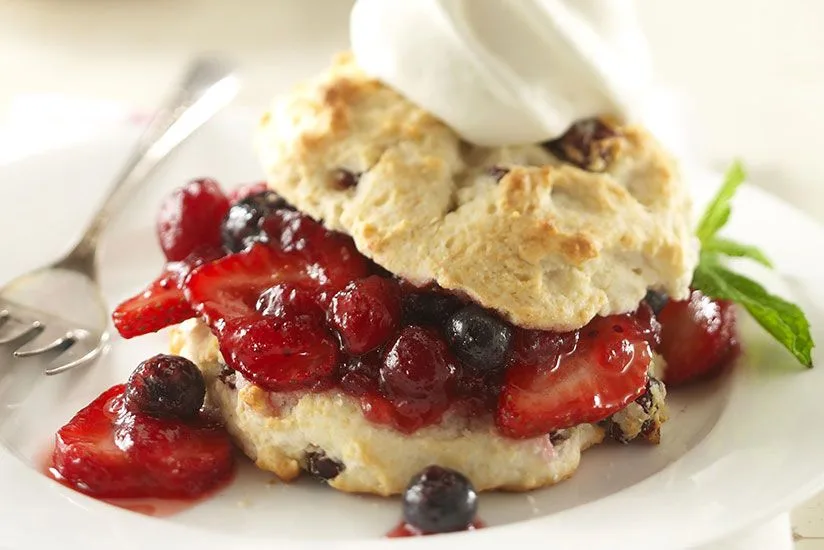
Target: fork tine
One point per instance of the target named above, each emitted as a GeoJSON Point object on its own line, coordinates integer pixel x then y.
{"type": "Point", "coordinates": [61, 343]}
{"type": "Point", "coordinates": [32, 330]}
{"type": "Point", "coordinates": [77, 362]}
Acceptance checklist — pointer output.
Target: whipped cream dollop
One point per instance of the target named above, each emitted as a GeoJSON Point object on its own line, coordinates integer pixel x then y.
{"type": "Point", "coordinates": [505, 72]}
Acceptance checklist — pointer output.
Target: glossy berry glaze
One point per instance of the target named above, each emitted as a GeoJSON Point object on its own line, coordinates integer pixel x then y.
{"type": "Point", "coordinates": [296, 307]}
{"type": "Point", "coordinates": [148, 506]}
{"type": "Point", "coordinates": [403, 529]}
{"type": "Point", "coordinates": [698, 339]}
{"type": "Point", "coordinates": [110, 451]}
{"type": "Point", "coordinates": [438, 500]}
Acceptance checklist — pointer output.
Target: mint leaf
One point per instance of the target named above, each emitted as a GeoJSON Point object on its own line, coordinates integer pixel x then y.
{"type": "Point", "coordinates": [783, 320]}
{"type": "Point", "coordinates": [736, 250]}
{"type": "Point", "coordinates": [718, 211]}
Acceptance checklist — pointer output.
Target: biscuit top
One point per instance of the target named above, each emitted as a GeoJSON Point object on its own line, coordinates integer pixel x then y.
{"type": "Point", "coordinates": [548, 235]}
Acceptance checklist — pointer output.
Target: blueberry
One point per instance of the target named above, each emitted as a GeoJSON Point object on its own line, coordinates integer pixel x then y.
{"type": "Point", "coordinates": [656, 300]}
{"type": "Point", "coordinates": [241, 227]}
{"type": "Point", "coordinates": [166, 386]}
{"type": "Point", "coordinates": [648, 399]}
{"type": "Point", "coordinates": [323, 467]}
{"type": "Point", "coordinates": [429, 308]}
{"type": "Point", "coordinates": [439, 500]}
{"type": "Point", "coordinates": [344, 179]}
{"type": "Point", "coordinates": [479, 338]}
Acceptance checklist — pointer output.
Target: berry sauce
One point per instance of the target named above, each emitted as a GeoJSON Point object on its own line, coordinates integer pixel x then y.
{"type": "Point", "coordinates": [403, 529]}
{"type": "Point", "coordinates": [111, 452]}
{"type": "Point", "coordinates": [148, 506]}
{"type": "Point", "coordinates": [295, 306]}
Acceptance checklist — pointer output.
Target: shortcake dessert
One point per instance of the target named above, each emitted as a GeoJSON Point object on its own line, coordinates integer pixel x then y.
{"type": "Point", "coordinates": [397, 298]}
{"type": "Point", "coordinates": [423, 301]}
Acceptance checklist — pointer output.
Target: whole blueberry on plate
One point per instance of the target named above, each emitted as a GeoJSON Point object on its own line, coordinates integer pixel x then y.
{"type": "Point", "coordinates": [440, 500]}
{"type": "Point", "coordinates": [166, 386]}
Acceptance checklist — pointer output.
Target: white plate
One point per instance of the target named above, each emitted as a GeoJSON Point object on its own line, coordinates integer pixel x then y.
{"type": "Point", "coordinates": [736, 452]}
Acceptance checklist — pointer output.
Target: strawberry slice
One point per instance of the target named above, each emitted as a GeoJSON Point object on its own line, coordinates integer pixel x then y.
{"type": "Point", "coordinates": [698, 338]}
{"type": "Point", "coordinates": [162, 303]}
{"type": "Point", "coordinates": [108, 452]}
{"type": "Point", "coordinates": [276, 354]}
{"type": "Point", "coordinates": [280, 355]}
{"type": "Point", "coordinates": [579, 382]}
{"type": "Point", "coordinates": [229, 288]}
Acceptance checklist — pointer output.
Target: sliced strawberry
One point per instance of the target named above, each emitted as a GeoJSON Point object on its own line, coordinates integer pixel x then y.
{"type": "Point", "coordinates": [649, 324]}
{"type": "Point", "coordinates": [279, 355]}
{"type": "Point", "coordinates": [159, 306]}
{"type": "Point", "coordinates": [338, 261]}
{"type": "Point", "coordinates": [108, 452]}
{"type": "Point", "coordinates": [335, 258]}
{"type": "Point", "coordinates": [230, 287]}
{"type": "Point", "coordinates": [163, 303]}
{"type": "Point", "coordinates": [276, 354]}
{"type": "Point", "coordinates": [599, 376]}
{"type": "Point", "coordinates": [698, 338]}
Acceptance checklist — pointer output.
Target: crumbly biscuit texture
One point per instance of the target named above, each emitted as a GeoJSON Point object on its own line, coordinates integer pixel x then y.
{"type": "Point", "coordinates": [549, 243]}
{"type": "Point", "coordinates": [279, 432]}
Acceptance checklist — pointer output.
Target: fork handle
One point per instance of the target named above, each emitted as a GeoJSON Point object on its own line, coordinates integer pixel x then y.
{"type": "Point", "coordinates": [207, 86]}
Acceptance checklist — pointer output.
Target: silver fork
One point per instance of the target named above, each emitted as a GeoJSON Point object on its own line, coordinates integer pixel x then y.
{"type": "Point", "coordinates": [59, 309]}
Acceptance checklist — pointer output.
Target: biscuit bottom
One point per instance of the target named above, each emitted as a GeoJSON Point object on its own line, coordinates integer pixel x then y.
{"type": "Point", "coordinates": [283, 432]}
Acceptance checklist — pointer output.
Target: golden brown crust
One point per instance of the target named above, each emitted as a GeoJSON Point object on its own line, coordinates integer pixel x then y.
{"type": "Point", "coordinates": [550, 245]}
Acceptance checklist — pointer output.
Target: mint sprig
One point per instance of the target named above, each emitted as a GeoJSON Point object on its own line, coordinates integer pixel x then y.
{"type": "Point", "coordinates": [718, 212]}
{"type": "Point", "coordinates": [726, 247]}
{"type": "Point", "coordinates": [783, 320]}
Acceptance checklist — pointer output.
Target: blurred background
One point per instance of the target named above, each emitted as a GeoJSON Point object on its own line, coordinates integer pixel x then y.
{"type": "Point", "coordinates": [748, 76]}
{"type": "Point", "coordinates": [748, 73]}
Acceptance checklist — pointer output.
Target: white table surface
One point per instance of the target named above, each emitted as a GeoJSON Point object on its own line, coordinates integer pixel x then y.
{"type": "Point", "coordinates": [750, 74]}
